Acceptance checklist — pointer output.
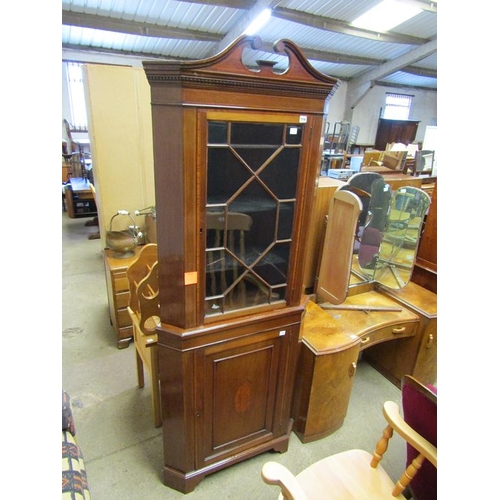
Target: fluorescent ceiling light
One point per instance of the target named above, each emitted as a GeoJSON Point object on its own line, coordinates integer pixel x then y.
{"type": "Point", "coordinates": [258, 22]}
{"type": "Point", "coordinates": [386, 15]}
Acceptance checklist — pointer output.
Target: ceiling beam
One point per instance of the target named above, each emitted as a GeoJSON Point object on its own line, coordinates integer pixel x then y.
{"type": "Point", "coordinates": [117, 52]}
{"type": "Point", "coordinates": [427, 5]}
{"type": "Point", "coordinates": [332, 57]}
{"type": "Point", "coordinates": [328, 24]}
{"type": "Point", "coordinates": [361, 85]}
{"type": "Point", "coordinates": [134, 28]}
{"type": "Point", "coordinates": [234, 4]}
{"type": "Point", "coordinates": [432, 73]}
{"type": "Point", "coordinates": [399, 63]}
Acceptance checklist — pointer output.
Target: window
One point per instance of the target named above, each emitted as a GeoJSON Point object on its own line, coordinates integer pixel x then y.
{"type": "Point", "coordinates": [76, 96]}
{"type": "Point", "coordinates": [397, 106]}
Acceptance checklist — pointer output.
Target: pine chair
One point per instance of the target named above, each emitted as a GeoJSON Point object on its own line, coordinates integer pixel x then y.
{"type": "Point", "coordinates": [143, 309]}
{"type": "Point", "coordinates": [354, 474]}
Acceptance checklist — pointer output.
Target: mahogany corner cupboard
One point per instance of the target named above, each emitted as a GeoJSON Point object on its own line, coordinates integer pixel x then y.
{"type": "Point", "coordinates": [237, 151]}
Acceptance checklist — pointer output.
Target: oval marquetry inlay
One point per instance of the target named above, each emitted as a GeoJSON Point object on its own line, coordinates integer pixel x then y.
{"type": "Point", "coordinates": [242, 397]}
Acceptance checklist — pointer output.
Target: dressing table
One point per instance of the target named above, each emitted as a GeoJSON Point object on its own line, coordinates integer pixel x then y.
{"type": "Point", "coordinates": [374, 310]}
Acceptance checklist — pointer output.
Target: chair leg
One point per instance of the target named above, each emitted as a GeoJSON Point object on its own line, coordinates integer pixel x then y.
{"type": "Point", "coordinates": [408, 474]}
{"type": "Point", "coordinates": [155, 388]}
{"type": "Point", "coordinates": [140, 369]}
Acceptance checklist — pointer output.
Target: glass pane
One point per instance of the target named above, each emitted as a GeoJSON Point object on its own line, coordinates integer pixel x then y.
{"type": "Point", "coordinates": [257, 134]}
{"type": "Point", "coordinates": [254, 157]}
{"type": "Point", "coordinates": [251, 194]}
{"type": "Point", "coordinates": [226, 174]}
{"type": "Point", "coordinates": [217, 133]}
{"type": "Point", "coordinates": [293, 134]}
{"type": "Point", "coordinates": [272, 268]}
{"type": "Point", "coordinates": [285, 220]}
{"type": "Point", "coordinates": [260, 206]}
{"type": "Point", "coordinates": [281, 174]}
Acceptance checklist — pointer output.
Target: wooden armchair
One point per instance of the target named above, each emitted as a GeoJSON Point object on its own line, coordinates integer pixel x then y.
{"type": "Point", "coordinates": [354, 474]}
{"type": "Point", "coordinates": [144, 311]}
{"type": "Point", "coordinates": [391, 160]}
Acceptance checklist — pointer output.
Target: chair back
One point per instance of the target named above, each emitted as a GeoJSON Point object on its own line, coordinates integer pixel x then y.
{"type": "Point", "coordinates": [148, 294]}
{"type": "Point", "coordinates": [138, 270]}
{"type": "Point", "coordinates": [228, 230]}
{"type": "Point", "coordinates": [420, 412]}
{"type": "Point", "coordinates": [424, 162]}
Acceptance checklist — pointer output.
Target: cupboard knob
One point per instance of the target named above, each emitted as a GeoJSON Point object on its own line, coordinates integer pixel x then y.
{"type": "Point", "coordinates": [430, 341]}
{"type": "Point", "coordinates": [352, 369]}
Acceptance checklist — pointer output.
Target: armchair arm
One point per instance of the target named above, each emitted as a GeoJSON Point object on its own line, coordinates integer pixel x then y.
{"type": "Point", "coordinates": [276, 474]}
{"type": "Point", "coordinates": [396, 421]}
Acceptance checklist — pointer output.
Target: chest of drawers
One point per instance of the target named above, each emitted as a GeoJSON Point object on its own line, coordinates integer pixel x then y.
{"type": "Point", "coordinates": [118, 295]}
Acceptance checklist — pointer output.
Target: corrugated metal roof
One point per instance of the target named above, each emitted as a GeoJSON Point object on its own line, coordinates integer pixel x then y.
{"type": "Point", "coordinates": [144, 28]}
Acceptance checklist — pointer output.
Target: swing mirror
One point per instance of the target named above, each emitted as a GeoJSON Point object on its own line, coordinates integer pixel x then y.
{"type": "Point", "coordinates": [381, 233]}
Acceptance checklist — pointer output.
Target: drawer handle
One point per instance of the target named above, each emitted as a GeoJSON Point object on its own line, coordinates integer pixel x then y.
{"type": "Point", "coordinates": [365, 340]}
{"type": "Point", "coordinates": [430, 341]}
{"type": "Point", "coordinates": [398, 330]}
{"type": "Point", "coordinates": [352, 369]}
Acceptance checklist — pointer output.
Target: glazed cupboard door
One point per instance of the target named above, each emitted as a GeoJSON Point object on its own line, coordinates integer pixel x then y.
{"type": "Point", "coordinates": [238, 399]}
{"type": "Point", "coordinates": [252, 191]}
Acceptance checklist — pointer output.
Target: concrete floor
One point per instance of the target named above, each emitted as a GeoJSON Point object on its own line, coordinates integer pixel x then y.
{"type": "Point", "coordinates": [121, 446]}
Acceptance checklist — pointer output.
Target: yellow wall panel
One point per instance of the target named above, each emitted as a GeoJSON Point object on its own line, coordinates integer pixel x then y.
{"type": "Point", "coordinates": [119, 115]}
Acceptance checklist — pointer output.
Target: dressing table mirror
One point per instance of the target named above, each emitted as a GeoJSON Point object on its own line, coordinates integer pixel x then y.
{"type": "Point", "coordinates": [393, 264]}
{"type": "Point", "coordinates": [380, 232]}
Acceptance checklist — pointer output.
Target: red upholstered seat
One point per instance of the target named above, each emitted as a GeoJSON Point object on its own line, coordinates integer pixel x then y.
{"type": "Point", "coordinates": [420, 412]}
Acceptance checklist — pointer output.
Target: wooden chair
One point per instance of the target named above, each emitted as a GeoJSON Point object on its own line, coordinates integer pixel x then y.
{"type": "Point", "coordinates": [424, 163]}
{"type": "Point", "coordinates": [354, 474]}
{"type": "Point", "coordinates": [143, 308]}
{"type": "Point", "coordinates": [226, 233]}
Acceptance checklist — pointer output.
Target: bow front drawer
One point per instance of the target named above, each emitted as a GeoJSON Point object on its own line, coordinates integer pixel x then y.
{"type": "Point", "coordinates": [396, 331]}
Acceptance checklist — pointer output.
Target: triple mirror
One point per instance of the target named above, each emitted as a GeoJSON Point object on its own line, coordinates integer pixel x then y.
{"type": "Point", "coordinates": [383, 233]}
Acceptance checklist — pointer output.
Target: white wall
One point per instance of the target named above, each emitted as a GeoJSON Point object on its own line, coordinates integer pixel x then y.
{"type": "Point", "coordinates": [66, 109]}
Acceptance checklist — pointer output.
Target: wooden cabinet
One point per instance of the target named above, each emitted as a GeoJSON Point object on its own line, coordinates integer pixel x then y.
{"type": "Point", "coordinates": [425, 269]}
{"type": "Point", "coordinates": [236, 154]}
{"type": "Point", "coordinates": [79, 200]}
{"type": "Point", "coordinates": [227, 394]}
{"type": "Point", "coordinates": [118, 295]}
{"type": "Point", "coordinates": [389, 131]}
